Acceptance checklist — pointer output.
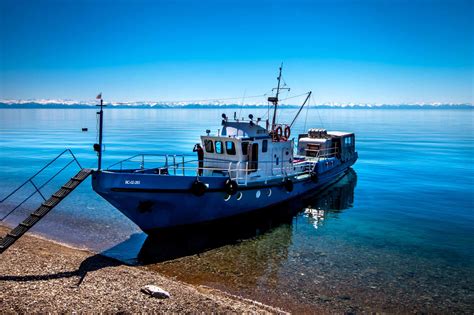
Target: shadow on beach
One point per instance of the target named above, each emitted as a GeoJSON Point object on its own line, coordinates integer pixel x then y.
{"type": "Point", "coordinates": [90, 264]}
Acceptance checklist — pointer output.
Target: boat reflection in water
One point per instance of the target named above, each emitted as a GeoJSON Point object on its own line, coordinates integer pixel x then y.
{"type": "Point", "coordinates": [334, 199]}
{"type": "Point", "coordinates": [268, 228]}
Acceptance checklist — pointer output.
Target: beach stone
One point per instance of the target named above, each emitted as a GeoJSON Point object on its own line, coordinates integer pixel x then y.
{"type": "Point", "coordinates": [155, 291]}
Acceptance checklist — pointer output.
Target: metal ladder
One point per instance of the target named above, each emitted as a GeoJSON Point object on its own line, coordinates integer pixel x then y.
{"type": "Point", "coordinates": [47, 205]}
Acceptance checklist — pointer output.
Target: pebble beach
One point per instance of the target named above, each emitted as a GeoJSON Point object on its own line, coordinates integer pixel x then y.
{"type": "Point", "coordinates": [42, 276]}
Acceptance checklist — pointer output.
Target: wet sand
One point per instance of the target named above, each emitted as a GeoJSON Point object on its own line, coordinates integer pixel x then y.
{"type": "Point", "coordinates": [38, 275]}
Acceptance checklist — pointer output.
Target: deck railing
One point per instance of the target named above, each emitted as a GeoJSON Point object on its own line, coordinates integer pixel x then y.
{"type": "Point", "coordinates": [173, 161]}
{"type": "Point", "coordinates": [323, 153]}
{"type": "Point", "coordinates": [148, 161]}
{"type": "Point", "coordinates": [182, 165]}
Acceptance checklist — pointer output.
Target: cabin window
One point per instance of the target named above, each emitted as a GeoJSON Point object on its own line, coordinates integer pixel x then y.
{"type": "Point", "coordinates": [350, 143]}
{"type": "Point", "coordinates": [245, 148]}
{"type": "Point", "coordinates": [219, 148]}
{"type": "Point", "coordinates": [230, 147]}
{"type": "Point", "coordinates": [264, 146]}
{"type": "Point", "coordinates": [208, 145]}
{"type": "Point", "coordinates": [348, 140]}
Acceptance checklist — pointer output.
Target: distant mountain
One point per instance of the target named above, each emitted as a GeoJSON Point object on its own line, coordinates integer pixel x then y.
{"type": "Point", "coordinates": [214, 104]}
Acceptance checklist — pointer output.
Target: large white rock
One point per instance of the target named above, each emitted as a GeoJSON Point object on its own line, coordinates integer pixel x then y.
{"type": "Point", "coordinates": [155, 291]}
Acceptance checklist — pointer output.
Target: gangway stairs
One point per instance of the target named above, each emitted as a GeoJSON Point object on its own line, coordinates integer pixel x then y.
{"type": "Point", "coordinates": [47, 205]}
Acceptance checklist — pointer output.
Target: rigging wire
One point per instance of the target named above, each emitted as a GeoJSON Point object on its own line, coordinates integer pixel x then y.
{"type": "Point", "coordinates": [317, 111]}
{"type": "Point", "coordinates": [216, 99]}
{"type": "Point", "coordinates": [289, 98]}
{"type": "Point", "coordinates": [306, 117]}
{"type": "Point", "coordinates": [286, 95]}
{"type": "Point", "coordinates": [242, 104]}
{"type": "Point", "coordinates": [268, 111]}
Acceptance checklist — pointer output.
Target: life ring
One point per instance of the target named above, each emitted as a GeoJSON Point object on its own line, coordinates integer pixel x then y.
{"type": "Point", "coordinates": [198, 188]}
{"type": "Point", "coordinates": [279, 131]}
{"type": "Point", "coordinates": [288, 185]}
{"type": "Point", "coordinates": [231, 187]}
{"type": "Point", "coordinates": [287, 132]}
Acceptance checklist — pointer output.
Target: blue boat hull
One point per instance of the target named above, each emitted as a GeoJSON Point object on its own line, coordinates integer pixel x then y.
{"type": "Point", "coordinates": [155, 202]}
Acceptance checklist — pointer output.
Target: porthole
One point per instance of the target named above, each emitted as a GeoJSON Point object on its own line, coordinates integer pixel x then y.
{"type": "Point", "coordinates": [227, 197]}
{"type": "Point", "coordinates": [239, 195]}
{"type": "Point", "coordinates": [269, 192]}
{"type": "Point", "coordinates": [257, 194]}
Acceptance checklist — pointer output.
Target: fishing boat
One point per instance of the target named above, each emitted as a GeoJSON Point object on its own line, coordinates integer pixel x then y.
{"type": "Point", "coordinates": [245, 166]}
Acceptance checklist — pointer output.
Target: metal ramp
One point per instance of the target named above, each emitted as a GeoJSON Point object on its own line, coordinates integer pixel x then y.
{"type": "Point", "coordinates": [47, 205]}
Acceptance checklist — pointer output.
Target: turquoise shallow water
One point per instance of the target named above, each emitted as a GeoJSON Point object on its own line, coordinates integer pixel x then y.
{"type": "Point", "coordinates": [407, 232]}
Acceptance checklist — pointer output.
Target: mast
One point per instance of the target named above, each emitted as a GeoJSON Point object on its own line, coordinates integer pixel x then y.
{"type": "Point", "coordinates": [276, 96]}
{"type": "Point", "coordinates": [98, 147]}
{"type": "Point", "coordinates": [101, 125]}
{"type": "Point", "coordinates": [274, 99]}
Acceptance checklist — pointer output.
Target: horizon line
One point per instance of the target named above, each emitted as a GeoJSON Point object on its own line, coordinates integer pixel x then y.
{"type": "Point", "coordinates": [212, 102]}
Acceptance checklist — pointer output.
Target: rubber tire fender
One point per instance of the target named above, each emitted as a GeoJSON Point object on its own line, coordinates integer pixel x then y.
{"type": "Point", "coordinates": [198, 188]}
{"type": "Point", "coordinates": [231, 187]}
{"type": "Point", "coordinates": [314, 177]}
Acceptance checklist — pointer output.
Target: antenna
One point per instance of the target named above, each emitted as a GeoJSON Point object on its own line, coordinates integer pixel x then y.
{"type": "Point", "coordinates": [274, 99]}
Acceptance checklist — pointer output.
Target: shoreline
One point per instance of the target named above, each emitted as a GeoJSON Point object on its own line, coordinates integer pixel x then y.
{"type": "Point", "coordinates": [48, 276]}
{"type": "Point", "coordinates": [45, 275]}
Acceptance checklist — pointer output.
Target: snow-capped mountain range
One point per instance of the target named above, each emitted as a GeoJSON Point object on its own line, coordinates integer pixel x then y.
{"type": "Point", "coordinates": [66, 103]}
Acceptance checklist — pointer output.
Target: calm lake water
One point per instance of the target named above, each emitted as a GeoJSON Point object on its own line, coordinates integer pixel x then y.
{"type": "Point", "coordinates": [397, 234]}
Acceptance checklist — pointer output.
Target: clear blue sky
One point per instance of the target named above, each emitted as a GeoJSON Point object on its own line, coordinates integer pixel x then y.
{"type": "Point", "coordinates": [345, 51]}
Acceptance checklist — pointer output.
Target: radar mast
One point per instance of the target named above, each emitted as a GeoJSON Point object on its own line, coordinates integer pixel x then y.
{"type": "Point", "coordinates": [274, 99]}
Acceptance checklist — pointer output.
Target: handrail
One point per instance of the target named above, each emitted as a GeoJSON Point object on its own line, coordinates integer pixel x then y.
{"type": "Point", "coordinates": [237, 171]}
{"type": "Point", "coordinates": [167, 158]}
{"type": "Point", "coordinates": [37, 173]}
{"type": "Point", "coordinates": [38, 189]}
{"type": "Point", "coordinates": [180, 164]}
{"type": "Point", "coordinates": [142, 156]}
